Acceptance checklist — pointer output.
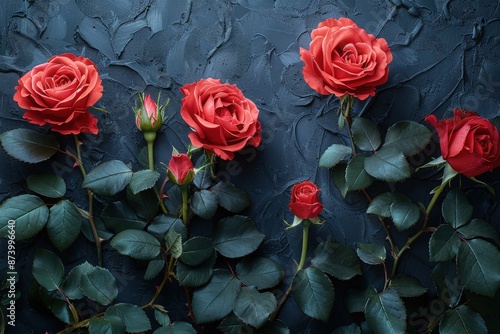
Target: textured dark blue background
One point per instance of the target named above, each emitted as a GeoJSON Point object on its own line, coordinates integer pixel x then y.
{"type": "Point", "coordinates": [446, 55]}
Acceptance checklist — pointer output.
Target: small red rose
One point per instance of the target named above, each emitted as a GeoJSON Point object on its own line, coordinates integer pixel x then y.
{"type": "Point", "coordinates": [180, 169]}
{"type": "Point", "coordinates": [59, 92]}
{"type": "Point", "coordinates": [149, 116]}
{"type": "Point", "coordinates": [224, 121]}
{"type": "Point", "coordinates": [469, 143]}
{"type": "Point", "coordinates": [305, 202]}
{"type": "Point", "coordinates": [344, 59]}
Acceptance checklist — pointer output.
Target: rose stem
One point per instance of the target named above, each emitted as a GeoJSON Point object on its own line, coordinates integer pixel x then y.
{"type": "Point", "coordinates": [90, 195]}
{"type": "Point", "coordinates": [184, 191]}
{"type": "Point", "coordinates": [305, 239]}
{"type": "Point", "coordinates": [150, 138]}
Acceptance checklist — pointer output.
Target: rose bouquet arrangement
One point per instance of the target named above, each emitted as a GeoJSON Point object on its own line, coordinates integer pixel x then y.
{"type": "Point", "coordinates": [147, 213]}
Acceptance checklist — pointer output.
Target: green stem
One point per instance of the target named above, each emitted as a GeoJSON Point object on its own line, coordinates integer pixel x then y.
{"type": "Point", "coordinates": [150, 138]}
{"type": "Point", "coordinates": [158, 291]}
{"type": "Point", "coordinates": [184, 191]}
{"type": "Point", "coordinates": [90, 195]}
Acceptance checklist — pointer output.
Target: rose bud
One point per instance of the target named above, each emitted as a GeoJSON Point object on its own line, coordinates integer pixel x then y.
{"type": "Point", "coordinates": [469, 143]}
{"type": "Point", "coordinates": [180, 169]}
{"type": "Point", "coordinates": [149, 116]}
{"type": "Point", "coordinates": [305, 203]}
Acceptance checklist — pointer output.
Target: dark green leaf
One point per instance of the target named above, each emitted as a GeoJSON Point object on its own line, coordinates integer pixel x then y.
{"type": "Point", "coordinates": [408, 137]}
{"type": "Point", "coordinates": [215, 300]}
{"type": "Point", "coordinates": [333, 155]}
{"type": "Point", "coordinates": [388, 164]}
{"type": "Point", "coordinates": [134, 318]}
{"type": "Point", "coordinates": [108, 178]}
{"type": "Point", "coordinates": [356, 299]}
{"type": "Point", "coordinates": [407, 286]}
{"type": "Point", "coordinates": [443, 244]}
{"type": "Point", "coordinates": [232, 325]}
{"type": "Point", "coordinates": [231, 198]}
{"type": "Point", "coordinates": [236, 236]}
{"type": "Point", "coordinates": [204, 204]}
{"type": "Point", "coordinates": [339, 178]}
{"type": "Point", "coordinates": [350, 329]}
{"type": "Point", "coordinates": [72, 283]}
{"type": "Point", "coordinates": [478, 266]}
{"type": "Point", "coordinates": [137, 244]}
{"type": "Point", "coordinates": [313, 292]}
{"type": "Point", "coordinates": [261, 272]}
{"type": "Point", "coordinates": [162, 317]}
{"type": "Point", "coordinates": [28, 145]}
{"type": "Point", "coordinates": [48, 269]}
{"type": "Point", "coordinates": [109, 324]}
{"type": "Point", "coordinates": [254, 307]}
{"type": "Point", "coordinates": [355, 175]}
{"type": "Point", "coordinates": [479, 228]}
{"type": "Point", "coordinates": [177, 327]}
{"type": "Point", "coordinates": [102, 231]}
{"type": "Point", "coordinates": [381, 204]}
{"type": "Point", "coordinates": [456, 209]}
{"type": "Point", "coordinates": [64, 224]}
{"type": "Point", "coordinates": [371, 253]}
{"type": "Point", "coordinates": [202, 178]}
{"type": "Point", "coordinates": [365, 134]}
{"type": "Point", "coordinates": [142, 180]}
{"type": "Point", "coordinates": [118, 217]}
{"type": "Point", "coordinates": [47, 185]}
{"type": "Point", "coordinates": [99, 285]}
{"type": "Point", "coordinates": [337, 260]}
{"type": "Point", "coordinates": [196, 250]}
{"type": "Point", "coordinates": [448, 285]}
{"type": "Point", "coordinates": [61, 310]}
{"type": "Point", "coordinates": [173, 242]}
{"type": "Point", "coordinates": [163, 223]}
{"type": "Point", "coordinates": [145, 203]}
{"type": "Point", "coordinates": [462, 320]}
{"type": "Point", "coordinates": [29, 213]}
{"type": "Point", "coordinates": [154, 268]}
{"type": "Point", "coordinates": [404, 213]}
{"type": "Point", "coordinates": [273, 327]}
{"type": "Point", "coordinates": [195, 276]}
{"type": "Point", "coordinates": [386, 313]}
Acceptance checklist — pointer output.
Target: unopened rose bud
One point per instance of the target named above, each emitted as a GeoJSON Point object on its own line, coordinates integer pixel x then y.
{"type": "Point", "coordinates": [180, 169]}
{"type": "Point", "coordinates": [149, 116]}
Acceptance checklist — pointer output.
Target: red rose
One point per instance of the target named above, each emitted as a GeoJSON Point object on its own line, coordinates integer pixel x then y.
{"type": "Point", "coordinates": [344, 59]}
{"type": "Point", "coordinates": [469, 143]}
{"type": "Point", "coordinates": [305, 202]}
{"type": "Point", "coordinates": [59, 93]}
{"type": "Point", "coordinates": [180, 169]}
{"type": "Point", "coordinates": [224, 120]}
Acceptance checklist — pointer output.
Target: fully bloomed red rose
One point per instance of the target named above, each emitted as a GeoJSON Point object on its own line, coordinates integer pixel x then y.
{"type": "Point", "coordinates": [344, 59]}
{"type": "Point", "coordinates": [180, 169]}
{"type": "Point", "coordinates": [59, 92]}
{"type": "Point", "coordinates": [469, 143]}
{"type": "Point", "coordinates": [305, 202]}
{"type": "Point", "coordinates": [223, 120]}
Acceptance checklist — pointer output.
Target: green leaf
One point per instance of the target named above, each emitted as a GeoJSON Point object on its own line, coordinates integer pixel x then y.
{"type": "Point", "coordinates": [339, 178]}
{"type": "Point", "coordinates": [28, 145]}
{"type": "Point", "coordinates": [272, 327]}
{"type": "Point", "coordinates": [462, 320]}
{"type": "Point", "coordinates": [29, 213]}
{"type": "Point", "coordinates": [99, 285]}
{"type": "Point", "coordinates": [408, 137]}
{"type": "Point", "coordinates": [261, 272]}
{"type": "Point", "coordinates": [47, 185]}
{"type": "Point", "coordinates": [385, 313]}
{"type": "Point", "coordinates": [404, 213]}
{"type": "Point", "coordinates": [178, 327]}
{"type": "Point", "coordinates": [119, 216]}
{"type": "Point", "coordinates": [48, 269]}
{"type": "Point", "coordinates": [162, 317]}
{"type": "Point", "coordinates": [61, 310]}
{"type": "Point", "coordinates": [134, 318]}
{"type": "Point", "coordinates": [456, 209]}
{"type": "Point", "coordinates": [230, 197]}
{"type": "Point", "coordinates": [356, 177]}
{"type": "Point", "coordinates": [333, 155]}
{"type": "Point", "coordinates": [142, 180]}
{"type": "Point", "coordinates": [215, 300]}
{"type": "Point", "coordinates": [154, 268]}
{"type": "Point", "coordinates": [202, 178]}
{"type": "Point", "coordinates": [236, 236]}
{"type": "Point", "coordinates": [233, 325]}
{"type": "Point", "coordinates": [204, 204]}
{"type": "Point", "coordinates": [195, 276]}
{"type": "Point", "coordinates": [108, 178]}
{"type": "Point", "coordinates": [137, 244]}
{"type": "Point", "coordinates": [407, 286]}
{"type": "Point", "coordinates": [254, 307]}
{"type": "Point", "coordinates": [478, 266]}
{"type": "Point", "coordinates": [388, 164]}
{"type": "Point", "coordinates": [350, 329]}
{"type": "Point", "coordinates": [72, 283]}
{"type": "Point", "coordinates": [173, 241]}
{"type": "Point", "coordinates": [381, 204]}
{"type": "Point", "coordinates": [102, 231]}
{"type": "Point", "coordinates": [356, 299]}
{"type": "Point", "coordinates": [64, 224]}
{"type": "Point", "coordinates": [337, 260]}
{"type": "Point", "coordinates": [109, 324]}
{"type": "Point", "coordinates": [196, 250]}
{"type": "Point", "coordinates": [145, 203]}
{"type": "Point", "coordinates": [371, 253]}
{"type": "Point", "coordinates": [449, 287]}
{"type": "Point", "coordinates": [479, 228]}
{"type": "Point", "coordinates": [365, 134]}
{"type": "Point", "coordinates": [443, 243]}
{"type": "Point", "coordinates": [313, 292]}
